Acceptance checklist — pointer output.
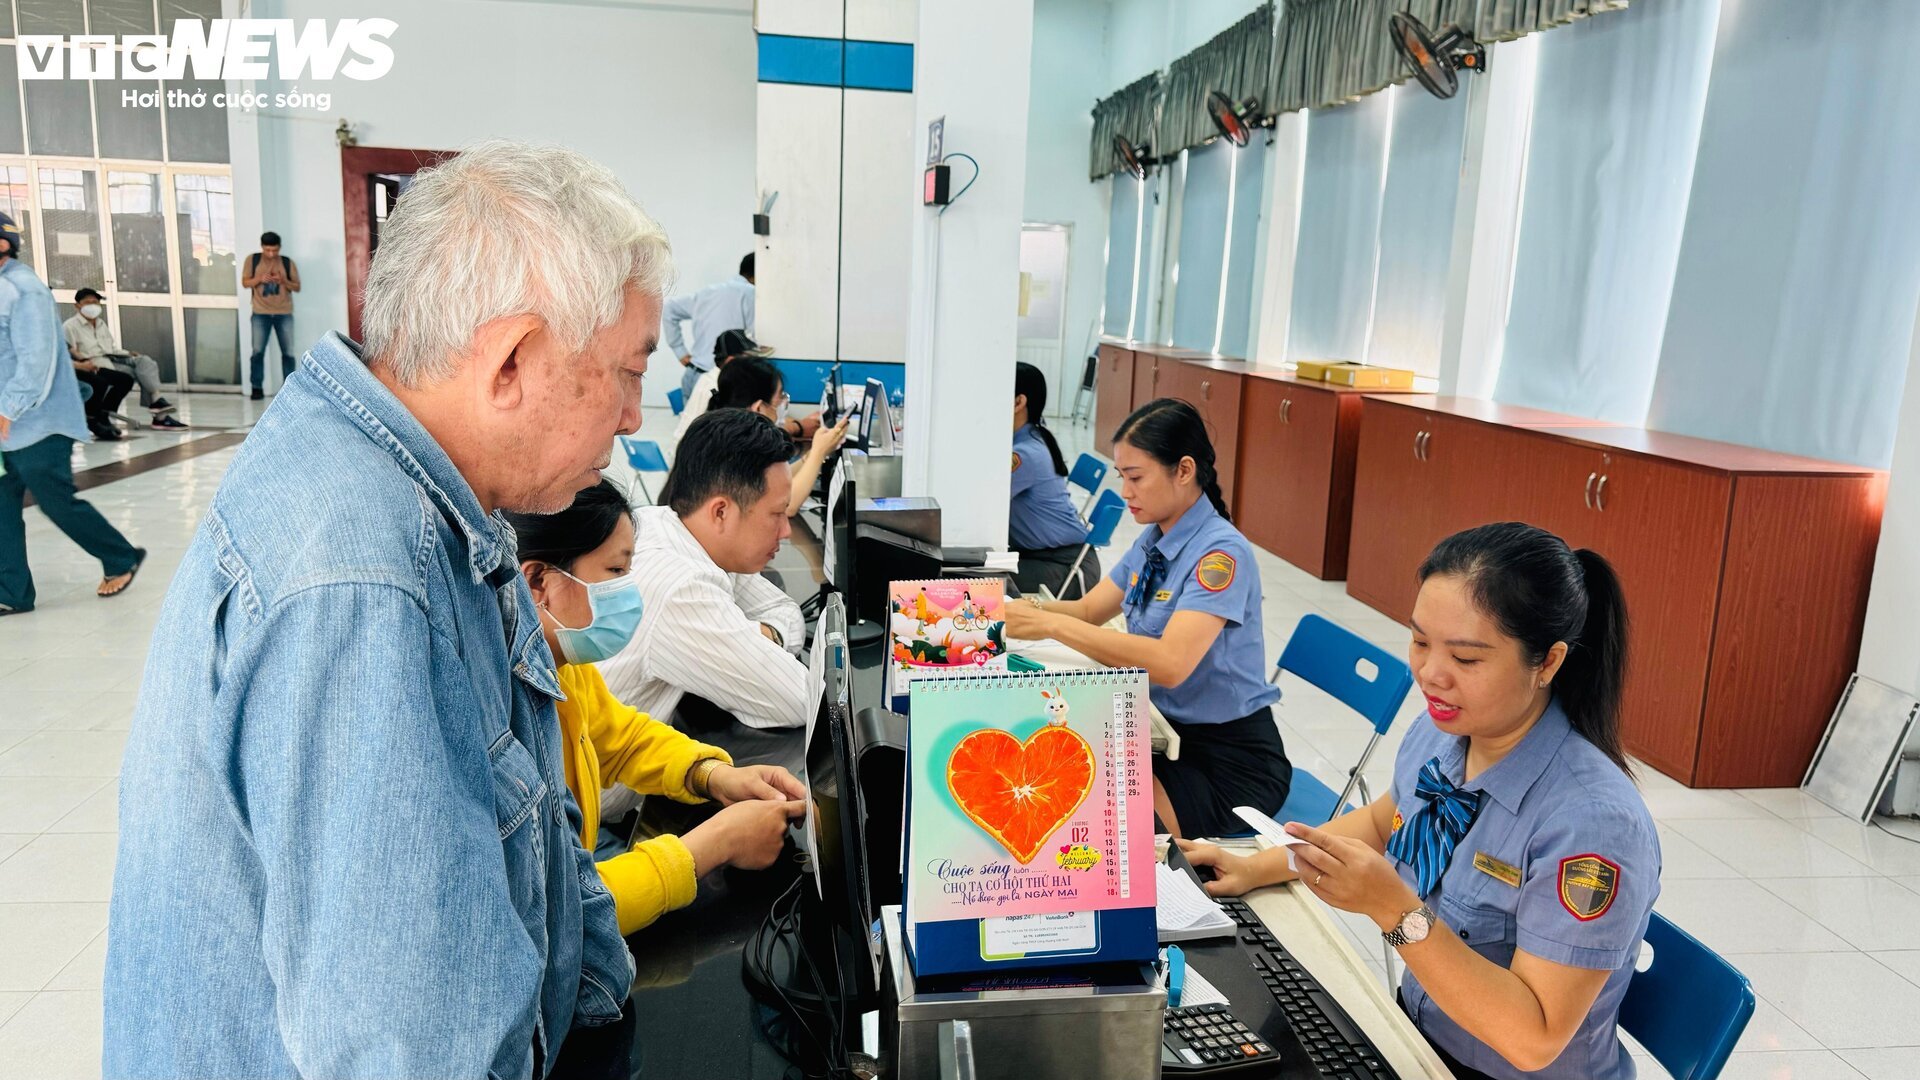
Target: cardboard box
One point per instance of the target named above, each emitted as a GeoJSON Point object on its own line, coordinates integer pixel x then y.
{"type": "Point", "coordinates": [1315, 370]}
{"type": "Point", "coordinates": [1368, 377]}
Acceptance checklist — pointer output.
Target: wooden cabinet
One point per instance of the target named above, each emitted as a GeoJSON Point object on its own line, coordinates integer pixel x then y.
{"type": "Point", "coordinates": [1745, 572]}
{"type": "Point", "coordinates": [1146, 375]}
{"type": "Point", "coordinates": [1112, 394]}
{"type": "Point", "coordinates": [1294, 495]}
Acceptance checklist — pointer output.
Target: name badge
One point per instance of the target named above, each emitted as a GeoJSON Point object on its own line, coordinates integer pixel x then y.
{"type": "Point", "coordinates": [1163, 594]}
{"type": "Point", "coordinates": [1496, 869]}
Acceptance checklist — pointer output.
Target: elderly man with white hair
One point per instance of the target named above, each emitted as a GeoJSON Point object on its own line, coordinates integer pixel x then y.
{"type": "Point", "coordinates": [346, 845]}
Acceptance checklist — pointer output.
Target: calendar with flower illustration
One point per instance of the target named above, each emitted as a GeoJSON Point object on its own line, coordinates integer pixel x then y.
{"type": "Point", "coordinates": [1030, 820]}
{"type": "Point", "coordinates": [941, 628]}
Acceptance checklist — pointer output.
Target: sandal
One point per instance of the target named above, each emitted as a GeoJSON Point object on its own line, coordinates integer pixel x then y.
{"type": "Point", "coordinates": [103, 592]}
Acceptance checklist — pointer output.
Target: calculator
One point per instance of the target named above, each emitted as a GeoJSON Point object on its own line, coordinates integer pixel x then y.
{"type": "Point", "coordinates": [1207, 1038]}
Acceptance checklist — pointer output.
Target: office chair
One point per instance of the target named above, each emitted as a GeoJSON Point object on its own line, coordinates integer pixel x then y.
{"type": "Point", "coordinates": [1688, 1007]}
{"type": "Point", "coordinates": [1337, 660]}
{"type": "Point", "coordinates": [1106, 518]}
{"type": "Point", "coordinates": [1088, 474]}
{"type": "Point", "coordinates": [645, 457]}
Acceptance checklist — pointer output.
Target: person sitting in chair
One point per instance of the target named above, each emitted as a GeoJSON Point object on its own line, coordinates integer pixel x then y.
{"type": "Point", "coordinates": [90, 339]}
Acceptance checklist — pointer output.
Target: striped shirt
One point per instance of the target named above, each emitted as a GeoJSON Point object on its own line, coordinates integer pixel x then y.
{"type": "Point", "coordinates": [700, 634]}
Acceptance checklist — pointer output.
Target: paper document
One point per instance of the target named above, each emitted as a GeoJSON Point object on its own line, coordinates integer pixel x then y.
{"type": "Point", "coordinates": [1270, 829]}
{"type": "Point", "coordinates": [1196, 990]}
{"type": "Point", "coordinates": [1183, 910]}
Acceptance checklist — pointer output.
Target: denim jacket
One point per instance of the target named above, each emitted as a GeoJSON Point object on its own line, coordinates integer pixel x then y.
{"type": "Point", "coordinates": [346, 843]}
{"type": "Point", "coordinates": [38, 389]}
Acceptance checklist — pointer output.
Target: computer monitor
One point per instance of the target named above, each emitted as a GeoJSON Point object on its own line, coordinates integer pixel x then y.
{"type": "Point", "coordinates": [840, 865]}
{"type": "Point", "coordinates": [830, 396]}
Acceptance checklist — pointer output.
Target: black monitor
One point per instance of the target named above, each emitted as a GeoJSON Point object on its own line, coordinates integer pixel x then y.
{"type": "Point", "coordinates": [830, 396]}
{"type": "Point", "coordinates": [838, 819]}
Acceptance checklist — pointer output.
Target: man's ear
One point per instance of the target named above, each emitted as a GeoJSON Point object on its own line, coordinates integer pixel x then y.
{"type": "Point", "coordinates": [498, 354]}
{"type": "Point", "coordinates": [719, 511]}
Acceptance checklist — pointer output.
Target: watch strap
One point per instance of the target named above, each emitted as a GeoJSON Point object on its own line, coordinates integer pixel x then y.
{"type": "Point", "coordinates": [1397, 936]}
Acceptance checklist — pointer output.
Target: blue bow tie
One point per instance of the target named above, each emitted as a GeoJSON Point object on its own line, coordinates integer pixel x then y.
{"type": "Point", "coordinates": [1427, 839]}
{"type": "Point", "coordinates": [1149, 579]}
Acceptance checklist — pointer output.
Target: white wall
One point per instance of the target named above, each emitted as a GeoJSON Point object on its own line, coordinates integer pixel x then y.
{"type": "Point", "coordinates": [966, 265]}
{"type": "Point", "coordinates": [636, 88]}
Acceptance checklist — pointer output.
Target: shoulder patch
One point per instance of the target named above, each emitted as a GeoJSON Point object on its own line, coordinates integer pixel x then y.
{"type": "Point", "coordinates": [1016, 461]}
{"type": "Point", "coordinates": [1588, 884]}
{"type": "Point", "coordinates": [1215, 571]}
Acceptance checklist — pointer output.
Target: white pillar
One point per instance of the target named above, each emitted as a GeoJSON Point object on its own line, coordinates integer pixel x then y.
{"type": "Point", "coordinates": [971, 66]}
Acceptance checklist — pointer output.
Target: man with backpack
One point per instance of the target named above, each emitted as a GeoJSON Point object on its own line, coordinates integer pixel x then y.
{"type": "Point", "coordinates": [273, 279]}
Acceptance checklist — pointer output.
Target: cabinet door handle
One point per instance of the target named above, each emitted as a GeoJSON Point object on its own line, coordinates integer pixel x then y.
{"type": "Point", "coordinates": [1206, 390]}
{"type": "Point", "coordinates": [1286, 404]}
{"type": "Point", "coordinates": [1426, 446]}
{"type": "Point", "coordinates": [1587, 496]}
{"type": "Point", "coordinates": [1417, 436]}
{"type": "Point", "coordinates": [1600, 493]}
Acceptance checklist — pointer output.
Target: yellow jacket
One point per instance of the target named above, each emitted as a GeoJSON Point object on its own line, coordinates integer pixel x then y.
{"type": "Point", "coordinates": [610, 742]}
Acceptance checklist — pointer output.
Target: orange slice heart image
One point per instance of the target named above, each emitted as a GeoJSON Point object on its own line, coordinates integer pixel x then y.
{"type": "Point", "coordinates": [1020, 792]}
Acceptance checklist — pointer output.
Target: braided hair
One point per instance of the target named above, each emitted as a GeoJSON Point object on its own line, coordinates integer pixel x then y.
{"type": "Point", "coordinates": [1168, 429]}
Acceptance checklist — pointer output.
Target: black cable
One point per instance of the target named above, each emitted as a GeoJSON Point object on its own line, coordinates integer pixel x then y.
{"type": "Point", "coordinates": [955, 197]}
{"type": "Point", "coordinates": [778, 933]}
{"type": "Point", "coordinates": [1895, 835]}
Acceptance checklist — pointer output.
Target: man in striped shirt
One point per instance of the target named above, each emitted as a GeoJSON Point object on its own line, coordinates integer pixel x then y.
{"type": "Point", "coordinates": [712, 626]}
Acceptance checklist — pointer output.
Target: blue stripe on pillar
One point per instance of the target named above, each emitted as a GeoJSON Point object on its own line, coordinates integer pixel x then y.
{"type": "Point", "coordinates": [879, 65]}
{"type": "Point", "coordinates": [804, 379]}
{"type": "Point", "coordinates": [809, 61]}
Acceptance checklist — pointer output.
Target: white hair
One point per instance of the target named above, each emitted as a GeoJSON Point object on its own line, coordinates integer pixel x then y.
{"type": "Point", "coordinates": [506, 229]}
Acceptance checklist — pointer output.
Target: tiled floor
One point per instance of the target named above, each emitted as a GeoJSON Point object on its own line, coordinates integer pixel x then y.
{"type": "Point", "coordinates": [1821, 913]}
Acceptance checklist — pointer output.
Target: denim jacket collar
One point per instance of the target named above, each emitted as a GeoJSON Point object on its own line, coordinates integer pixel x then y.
{"type": "Point", "coordinates": [336, 363]}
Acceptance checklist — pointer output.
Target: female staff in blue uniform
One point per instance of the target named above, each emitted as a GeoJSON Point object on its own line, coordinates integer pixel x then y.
{"type": "Point", "coordinates": [1191, 593]}
{"type": "Point", "coordinates": [1514, 864]}
{"type": "Point", "coordinates": [1042, 524]}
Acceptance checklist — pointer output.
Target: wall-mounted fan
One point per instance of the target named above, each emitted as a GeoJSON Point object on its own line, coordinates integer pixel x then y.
{"type": "Point", "coordinates": [1234, 122]}
{"type": "Point", "coordinates": [1435, 60]}
{"type": "Point", "coordinates": [1136, 161]}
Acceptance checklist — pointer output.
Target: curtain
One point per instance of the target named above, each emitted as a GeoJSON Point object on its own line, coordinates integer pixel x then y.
{"type": "Point", "coordinates": [1130, 112]}
{"type": "Point", "coordinates": [1243, 233]}
{"type": "Point", "coordinates": [1616, 122]}
{"type": "Point", "coordinates": [1793, 306]}
{"type": "Point", "coordinates": [1129, 257]}
{"type": "Point", "coordinates": [1416, 229]}
{"type": "Point", "coordinates": [1339, 231]}
{"type": "Point", "coordinates": [1330, 51]}
{"type": "Point", "coordinates": [1234, 62]}
{"type": "Point", "coordinates": [1204, 213]}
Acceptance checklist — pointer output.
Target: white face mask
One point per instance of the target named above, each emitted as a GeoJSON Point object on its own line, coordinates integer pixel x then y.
{"type": "Point", "coordinates": [92, 311]}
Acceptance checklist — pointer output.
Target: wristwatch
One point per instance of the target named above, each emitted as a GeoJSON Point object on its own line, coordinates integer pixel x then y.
{"type": "Point", "coordinates": [1414, 927]}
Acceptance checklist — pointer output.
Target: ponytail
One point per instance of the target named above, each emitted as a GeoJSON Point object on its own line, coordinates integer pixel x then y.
{"type": "Point", "coordinates": [1029, 380]}
{"type": "Point", "coordinates": [1539, 591]}
{"type": "Point", "coordinates": [1168, 429]}
{"type": "Point", "coordinates": [1595, 669]}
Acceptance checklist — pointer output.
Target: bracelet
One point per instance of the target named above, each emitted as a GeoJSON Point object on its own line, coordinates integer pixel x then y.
{"type": "Point", "coordinates": [698, 776]}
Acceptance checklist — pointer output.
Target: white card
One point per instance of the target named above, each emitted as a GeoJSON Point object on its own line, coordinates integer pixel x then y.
{"type": "Point", "coordinates": [1270, 829]}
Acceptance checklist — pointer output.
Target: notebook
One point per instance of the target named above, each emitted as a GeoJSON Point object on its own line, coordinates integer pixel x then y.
{"type": "Point", "coordinates": [1184, 911]}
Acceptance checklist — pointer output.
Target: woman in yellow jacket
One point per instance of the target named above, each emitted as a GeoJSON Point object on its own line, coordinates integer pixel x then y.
{"type": "Point", "coordinates": [576, 563]}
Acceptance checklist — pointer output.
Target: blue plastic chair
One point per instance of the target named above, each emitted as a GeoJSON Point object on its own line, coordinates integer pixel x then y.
{"type": "Point", "coordinates": [1688, 1007]}
{"type": "Point", "coordinates": [1088, 474]}
{"type": "Point", "coordinates": [1331, 657]}
{"type": "Point", "coordinates": [645, 457]}
{"type": "Point", "coordinates": [1106, 518]}
{"type": "Point", "coordinates": [677, 400]}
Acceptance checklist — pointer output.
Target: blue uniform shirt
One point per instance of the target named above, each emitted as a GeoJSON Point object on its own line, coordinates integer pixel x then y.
{"type": "Point", "coordinates": [1210, 568]}
{"type": "Point", "coordinates": [1042, 513]}
{"type": "Point", "coordinates": [1562, 861]}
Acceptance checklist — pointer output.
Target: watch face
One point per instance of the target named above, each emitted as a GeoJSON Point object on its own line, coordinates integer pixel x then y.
{"type": "Point", "coordinates": [1416, 925]}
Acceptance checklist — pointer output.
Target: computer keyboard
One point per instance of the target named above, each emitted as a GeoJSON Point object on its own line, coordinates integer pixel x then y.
{"type": "Point", "coordinates": [1332, 1040]}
